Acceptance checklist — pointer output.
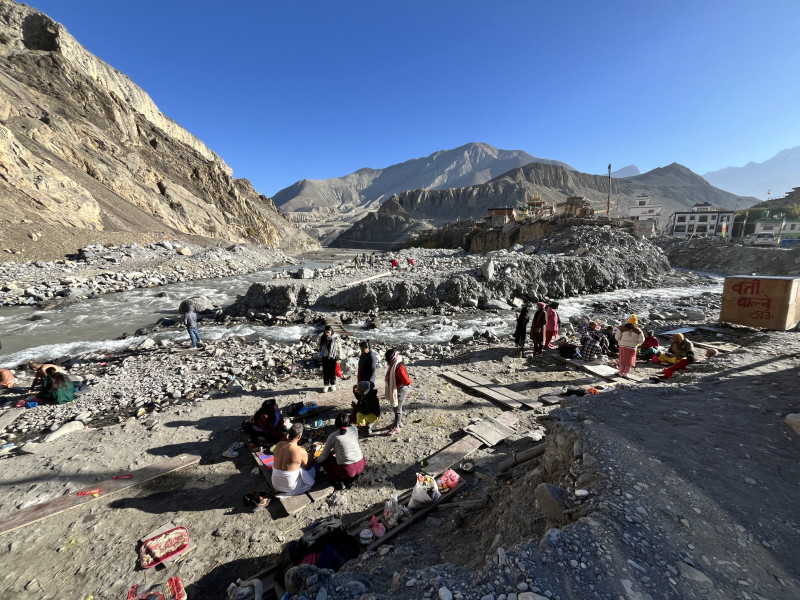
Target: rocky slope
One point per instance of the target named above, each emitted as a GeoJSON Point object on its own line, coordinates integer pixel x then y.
{"type": "Point", "coordinates": [382, 228]}
{"type": "Point", "coordinates": [674, 186]}
{"type": "Point", "coordinates": [83, 147]}
{"type": "Point", "coordinates": [727, 258]}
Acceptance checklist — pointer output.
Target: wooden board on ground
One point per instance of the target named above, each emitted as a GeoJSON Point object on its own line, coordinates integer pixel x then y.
{"type": "Point", "coordinates": [490, 431]}
{"type": "Point", "coordinates": [8, 417]}
{"type": "Point", "coordinates": [719, 346]}
{"type": "Point", "coordinates": [58, 505]}
{"type": "Point", "coordinates": [603, 371]}
{"type": "Point", "coordinates": [504, 391]}
{"type": "Point", "coordinates": [550, 400]}
{"type": "Point", "coordinates": [484, 391]}
{"type": "Point", "coordinates": [293, 504]}
{"type": "Point", "coordinates": [337, 326]}
{"type": "Point", "coordinates": [450, 455]}
{"type": "Point", "coordinates": [379, 275]}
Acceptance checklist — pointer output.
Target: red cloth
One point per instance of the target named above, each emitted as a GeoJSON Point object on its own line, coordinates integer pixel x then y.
{"type": "Point", "coordinates": [651, 342]}
{"type": "Point", "coordinates": [627, 359]}
{"type": "Point", "coordinates": [678, 366]}
{"type": "Point", "coordinates": [401, 377]}
{"type": "Point", "coordinates": [395, 263]}
{"type": "Point", "coordinates": [337, 471]}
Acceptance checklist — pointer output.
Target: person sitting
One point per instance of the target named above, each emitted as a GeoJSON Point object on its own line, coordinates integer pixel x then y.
{"type": "Point", "coordinates": [649, 346]}
{"type": "Point", "coordinates": [613, 344]}
{"type": "Point", "coordinates": [367, 407]}
{"type": "Point", "coordinates": [341, 457]}
{"type": "Point", "coordinates": [56, 388]}
{"type": "Point", "coordinates": [683, 351]}
{"type": "Point", "coordinates": [266, 424]}
{"type": "Point", "coordinates": [292, 471]}
{"type": "Point", "coordinates": [40, 372]}
{"type": "Point", "coordinates": [7, 378]}
{"type": "Point", "coordinates": [594, 345]}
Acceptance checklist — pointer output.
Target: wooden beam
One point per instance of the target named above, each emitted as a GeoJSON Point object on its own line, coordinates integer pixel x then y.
{"type": "Point", "coordinates": [379, 275]}
{"type": "Point", "coordinates": [484, 391]}
{"type": "Point", "coordinates": [58, 505]}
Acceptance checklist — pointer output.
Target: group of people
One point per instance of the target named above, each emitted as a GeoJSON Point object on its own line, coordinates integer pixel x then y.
{"type": "Point", "coordinates": [50, 384]}
{"type": "Point", "coordinates": [544, 327]}
{"type": "Point", "coordinates": [362, 260]}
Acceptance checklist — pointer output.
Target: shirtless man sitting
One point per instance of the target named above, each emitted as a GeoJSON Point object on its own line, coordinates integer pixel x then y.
{"type": "Point", "coordinates": [40, 372]}
{"type": "Point", "coordinates": [292, 471]}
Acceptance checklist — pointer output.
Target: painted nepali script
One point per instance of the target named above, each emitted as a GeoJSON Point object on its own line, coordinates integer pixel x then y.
{"type": "Point", "coordinates": [748, 298]}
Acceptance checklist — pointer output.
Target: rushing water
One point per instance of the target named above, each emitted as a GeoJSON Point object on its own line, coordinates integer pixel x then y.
{"type": "Point", "coordinates": [97, 323]}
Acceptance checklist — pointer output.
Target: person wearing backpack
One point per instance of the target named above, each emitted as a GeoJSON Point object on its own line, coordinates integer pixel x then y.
{"type": "Point", "coordinates": [397, 384]}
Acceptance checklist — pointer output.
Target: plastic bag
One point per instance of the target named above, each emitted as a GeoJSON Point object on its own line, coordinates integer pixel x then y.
{"type": "Point", "coordinates": [391, 512]}
{"type": "Point", "coordinates": [425, 491]}
{"type": "Point", "coordinates": [450, 479]}
{"type": "Point", "coordinates": [339, 371]}
{"type": "Point", "coordinates": [378, 528]}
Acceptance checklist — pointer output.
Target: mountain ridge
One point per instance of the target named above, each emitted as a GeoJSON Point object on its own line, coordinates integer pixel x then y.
{"type": "Point", "coordinates": [778, 174]}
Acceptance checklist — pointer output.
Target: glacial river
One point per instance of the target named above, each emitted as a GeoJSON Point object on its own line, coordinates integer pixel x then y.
{"type": "Point", "coordinates": [97, 323]}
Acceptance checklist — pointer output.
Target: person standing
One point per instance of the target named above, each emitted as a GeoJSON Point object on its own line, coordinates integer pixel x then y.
{"type": "Point", "coordinates": [367, 363]}
{"type": "Point", "coordinates": [341, 457]}
{"type": "Point", "coordinates": [372, 261]}
{"type": "Point", "coordinates": [521, 331]}
{"type": "Point", "coordinates": [397, 384]}
{"type": "Point", "coordinates": [629, 337]}
{"type": "Point", "coordinates": [190, 320]}
{"type": "Point", "coordinates": [551, 328]}
{"type": "Point", "coordinates": [330, 349]}
{"type": "Point", "coordinates": [537, 329]}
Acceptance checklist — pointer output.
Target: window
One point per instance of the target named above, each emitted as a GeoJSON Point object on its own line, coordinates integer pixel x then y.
{"type": "Point", "coordinates": [692, 218]}
{"type": "Point", "coordinates": [703, 219]}
{"type": "Point", "coordinates": [680, 228]}
{"type": "Point", "coordinates": [791, 227]}
{"type": "Point", "coordinates": [701, 229]}
{"type": "Point", "coordinates": [642, 202]}
{"type": "Point", "coordinates": [713, 217]}
{"type": "Point", "coordinates": [768, 227]}
{"type": "Point", "coordinates": [682, 219]}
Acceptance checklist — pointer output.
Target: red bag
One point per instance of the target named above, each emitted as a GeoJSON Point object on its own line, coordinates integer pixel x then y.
{"type": "Point", "coordinates": [339, 371]}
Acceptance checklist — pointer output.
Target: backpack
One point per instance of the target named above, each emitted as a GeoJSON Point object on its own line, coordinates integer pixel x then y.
{"type": "Point", "coordinates": [569, 351]}
{"type": "Point", "coordinates": [328, 539]}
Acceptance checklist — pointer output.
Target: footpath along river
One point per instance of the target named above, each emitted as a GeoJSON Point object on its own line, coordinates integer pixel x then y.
{"type": "Point", "coordinates": [99, 323]}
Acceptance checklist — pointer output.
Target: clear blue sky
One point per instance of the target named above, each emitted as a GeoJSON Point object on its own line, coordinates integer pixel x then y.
{"type": "Point", "coordinates": [286, 90]}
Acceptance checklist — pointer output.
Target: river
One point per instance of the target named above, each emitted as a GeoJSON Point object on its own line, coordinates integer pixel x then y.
{"type": "Point", "coordinates": [98, 323]}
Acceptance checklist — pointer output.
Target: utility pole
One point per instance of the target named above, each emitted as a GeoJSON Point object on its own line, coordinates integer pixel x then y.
{"type": "Point", "coordinates": [608, 202]}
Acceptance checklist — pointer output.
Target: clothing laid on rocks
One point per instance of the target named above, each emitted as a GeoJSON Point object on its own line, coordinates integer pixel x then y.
{"type": "Point", "coordinates": [291, 483]}
{"type": "Point", "coordinates": [367, 366]}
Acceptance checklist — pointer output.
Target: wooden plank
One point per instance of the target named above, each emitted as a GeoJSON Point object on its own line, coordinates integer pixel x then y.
{"type": "Point", "coordinates": [504, 400]}
{"type": "Point", "coordinates": [379, 275]}
{"type": "Point", "coordinates": [602, 371]}
{"type": "Point", "coordinates": [293, 504]}
{"type": "Point", "coordinates": [550, 400]}
{"type": "Point", "coordinates": [8, 417]}
{"type": "Point", "coordinates": [504, 391]}
{"type": "Point", "coordinates": [110, 486]}
{"type": "Point", "coordinates": [491, 431]}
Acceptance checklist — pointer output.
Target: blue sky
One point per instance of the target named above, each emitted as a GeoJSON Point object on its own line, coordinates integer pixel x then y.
{"type": "Point", "coordinates": [285, 90]}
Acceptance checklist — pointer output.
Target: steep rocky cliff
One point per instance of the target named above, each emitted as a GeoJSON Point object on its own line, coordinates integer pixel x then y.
{"type": "Point", "coordinates": [382, 228]}
{"type": "Point", "coordinates": [82, 146]}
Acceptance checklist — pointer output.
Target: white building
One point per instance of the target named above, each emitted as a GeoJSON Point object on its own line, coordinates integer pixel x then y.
{"type": "Point", "coordinates": [646, 215]}
{"type": "Point", "coordinates": [700, 221]}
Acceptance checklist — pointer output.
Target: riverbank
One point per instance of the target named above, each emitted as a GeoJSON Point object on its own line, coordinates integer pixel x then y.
{"type": "Point", "coordinates": [656, 522]}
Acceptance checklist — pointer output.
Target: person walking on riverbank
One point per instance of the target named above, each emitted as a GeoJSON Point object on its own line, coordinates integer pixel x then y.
{"type": "Point", "coordinates": [190, 320]}
{"type": "Point", "coordinates": [397, 384]}
{"type": "Point", "coordinates": [629, 337]}
{"type": "Point", "coordinates": [521, 331]}
{"type": "Point", "coordinates": [538, 328]}
{"type": "Point", "coordinates": [551, 328]}
{"type": "Point", "coordinates": [330, 351]}
{"type": "Point", "coordinates": [367, 363]}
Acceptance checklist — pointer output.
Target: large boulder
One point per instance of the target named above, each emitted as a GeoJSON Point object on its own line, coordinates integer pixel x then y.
{"type": "Point", "coordinates": [276, 298]}
{"type": "Point", "coordinates": [200, 303]}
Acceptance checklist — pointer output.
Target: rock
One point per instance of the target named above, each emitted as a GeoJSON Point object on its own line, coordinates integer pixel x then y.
{"type": "Point", "coordinates": [487, 270]}
{"type": "Point", "coordinates": [185, 251]}
{"type": "Point", "coordinates": [200, 304]}
{"type": "Point", "coordinates": [166, 244]}
{"type": "Point", "coordinates": [793, 421]}
{"type": "Point", "coordinates": [65, 429]}
{"type": "Point", "coordinates": [147, 344]}
{"type": "Point", "coordinates": [692, 574]}
{"type": "Point", "coordinates": [550, 502]}
{"type": "Point", "coordinates": [304, 273]}
{"type": "Point", "coordinates": [445, 594]}
{"type": "Point", "coordinates": [531, 596]}
{"type": "Point", "coordinates": [497, 304]}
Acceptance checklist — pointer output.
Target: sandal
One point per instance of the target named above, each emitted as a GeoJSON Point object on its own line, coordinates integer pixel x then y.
{"type": "Point", "coordinates": [394, 431]}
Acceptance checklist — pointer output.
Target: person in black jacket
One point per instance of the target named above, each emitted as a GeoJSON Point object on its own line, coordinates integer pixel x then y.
{"type": "Point", "coordinates": [367, 363]}
{"type": "Point", "coordinates": [367, 407]}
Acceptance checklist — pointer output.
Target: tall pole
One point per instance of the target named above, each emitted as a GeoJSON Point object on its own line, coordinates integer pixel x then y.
{"type": "Point", "coordinates": [608, 202]}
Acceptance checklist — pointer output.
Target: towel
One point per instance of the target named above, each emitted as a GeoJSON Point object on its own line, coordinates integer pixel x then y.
{"type": "Point", "coordinates": [292, 483]}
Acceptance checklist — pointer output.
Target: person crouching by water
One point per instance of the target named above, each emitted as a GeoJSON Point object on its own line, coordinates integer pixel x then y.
{"type": "Point", "coordinates": [629, 337]}
{"type": "Point", "coordinates": [266, 426]}
{"type": "Point", "coordinates": [521, 330]}
{"type": "Point", "coordinates": [292, 471]}
{"type": "Point", "coordinates": [341, 457]}
{"type": "Point", "coordinates": [397, 383]}
{"type": "Point", "coordinates": [55, 388]}
{"type": "Point", "coordinates": [330, 348]}
{"type": "Point", "coordinates": [367, 407]}
{"type": "Point", "coordinates": [190, 320]}
{"type": "Point", "coordinates": [537, 329]}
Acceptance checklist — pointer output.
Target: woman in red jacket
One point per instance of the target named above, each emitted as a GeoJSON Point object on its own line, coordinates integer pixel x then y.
{"type": "Point", "coordinates": [397, 383]}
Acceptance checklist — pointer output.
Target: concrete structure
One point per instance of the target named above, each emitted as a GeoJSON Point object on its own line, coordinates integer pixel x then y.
{"type": "Point", "coordinates": [539, 209]}
{"type": "Point", "coordinates": [646, 215]}
{"type": "Point", "coordinates": [781, 228]}
{"type": "Point", "coordinates": [497, 217]}
{"type": "Point", "coordinates": [701, 221]}
{"type": "Point", "coordinates": [574, 206]}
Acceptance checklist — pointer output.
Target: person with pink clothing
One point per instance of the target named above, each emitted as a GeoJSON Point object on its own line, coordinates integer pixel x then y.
{"type": "Point", "coordinates": [629, 337]}
{"type": "Point", "coordinates": [551, 327]}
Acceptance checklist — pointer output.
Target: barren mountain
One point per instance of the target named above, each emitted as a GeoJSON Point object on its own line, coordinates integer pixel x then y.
{"type": "Point", "coordinates": [674, 186]}
{"type": "Point", "coordinates": [779, 174]}
{"type": "Point", "coordinates": [83, 148]}
{"type": "Point", "coordinates": [331, 205]}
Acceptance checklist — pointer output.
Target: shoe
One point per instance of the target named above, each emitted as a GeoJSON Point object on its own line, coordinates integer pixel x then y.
{"type": "Point", "coordinates": [338, 485]}
{"type": "Point", "coordinates": [369, 429]}
{"type": "Point", "coordinates": [400, 425]}
{"type": "Point", "coordinates": [394, 431]}
{"type": "Point", "coordinates": [333, 388]}
{"type": "Point", "coordinates": [260, 502]}
{"type": "Point", "coordinates": [325, 390]}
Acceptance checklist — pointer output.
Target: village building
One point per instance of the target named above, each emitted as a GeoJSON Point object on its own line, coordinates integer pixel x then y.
{"type": "Point", "coordinates": [782, 228]}
{"type": "Point", "coordinates": [497, 217]}
{"type": "Point", "coordinates": [574, 206]}
{"type": "Point", "coordinates": [645, 214]}
{"type": "Point", "coordinates": [539, 209]}
{"type": "Point", "coordinates": [701, 221]}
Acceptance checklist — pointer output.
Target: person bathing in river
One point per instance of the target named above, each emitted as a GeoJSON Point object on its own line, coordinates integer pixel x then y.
{"type": "Point", "coordinates": [292, 471]}
{"type": "Point", "coordinates": [629, 337]}
{"type": "Point", "coordinates": [538, 329]}
{"type": "Point", "coordinates": [330, 351]}
{"type": "Point", "coordinates": [7, 379]}
{"type": "Point", "coordinates": [367, 363]}
{"type": "Point", "coordinates": [397, 384]}
{"type": "Point", "coordinates": [367, 407]}
{"type": "Point", "coordinates": [341, 457]}
{"type": "Point", "coordinates": [266, 426]}
{"type": "Point", "coordinates": [521, 330]}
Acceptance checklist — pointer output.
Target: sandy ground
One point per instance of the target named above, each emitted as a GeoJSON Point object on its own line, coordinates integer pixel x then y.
{"type": "Point", "coordinates": [707, 459]}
